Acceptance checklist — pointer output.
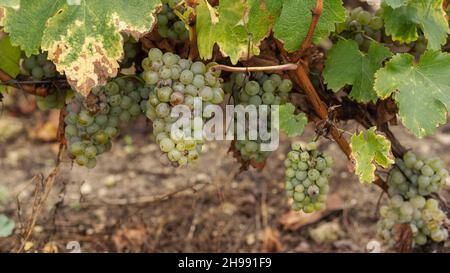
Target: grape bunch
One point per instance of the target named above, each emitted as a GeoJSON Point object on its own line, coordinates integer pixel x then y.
{"type": "Point", "coordinates": [361, 26]}
{"type": "Point", "coordinates": [38, 67]}
{"type": "Point", "coordinates": [417, 175]}
{"type": "Point", "coordinates": [257, 89]}
{"type": "Point", "coordinates": [423, 215]}
{"type": "Point", "coordinates": [307, 174]}
{"type": "Point", "coordinates": [92, 122]}
{"type": "Point", "coordinates": [177, 81]}
{"type": "Point", "coordinates": [169, 25]}
{"type": "Point", "coordinates": [130, 49]}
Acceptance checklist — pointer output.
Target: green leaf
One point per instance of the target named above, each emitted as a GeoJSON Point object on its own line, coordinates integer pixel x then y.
{"type": "Point", "coordinates": [27, 24]}
{"type": "Point", "coordinates": [9, 57]}
{"type": "Point", "coordinates": [6, 226]}
{"type": "Point", "coordinates": [422, 91]}
{"type": "Point", "coordinates": [368, 149]}
{"type": "Point", "coordinates": [233, 25]}
{"type": "Point", "coordinates": [295, 20]}
{"type": "Point", "coordinates": [346, 65]}
{"type": "Point", "coordinates": [402, 21]}
{"type": "Point", "coordinates": [15, 4]}
{"type": "Point", "coordinates": [82, 37]}
{"type": "Point", "coordinates": [291, 124]}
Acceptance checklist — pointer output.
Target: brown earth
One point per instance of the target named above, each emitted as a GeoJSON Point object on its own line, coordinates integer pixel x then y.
{"type": "Point", "coordinates": [132, 203]}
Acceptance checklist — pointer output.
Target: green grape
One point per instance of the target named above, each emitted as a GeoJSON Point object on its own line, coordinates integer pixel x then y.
{"type": "Point", "coordinates": [30, 63]}
{"type": "Point", "coordinates": [38, 73]}
{"type": "Point", "coordinates": [252, 88]}
{"type": "Point", "coordinates": [198, 68]}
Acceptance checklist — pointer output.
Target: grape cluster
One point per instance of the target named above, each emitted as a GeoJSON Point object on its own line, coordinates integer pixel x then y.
{"type": "Point", "coordinates": [38, 67]}
{"type": "Point", "coordinates": [169, 25]}
{"type": "Point", "coordinates": [177, 81]}
{"type": "Point", "coordinates": [257, 89]}
{"type": "Point", "coordinates": [417, 175]}
{"type": "Point", "coordinates": [130, 49]}
{"type": "Point", "coordinates": [413, 179]}
{"type": "Point", "coordinates": [92, 122]}
{"type": "Point", "coordinates": [361, 26]}
{"type": "Point", "coordinates": [307, 174]}
{"type": "Point", "coordinates": [423, 216]}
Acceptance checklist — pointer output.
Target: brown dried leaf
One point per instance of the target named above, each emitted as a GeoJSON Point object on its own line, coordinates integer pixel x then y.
{"type": "Point", "coordinates": [130, 238]}
{"type": "Point", "coordinates": [271, 241]}
{"type": "Point", "coordinates": [403, 238]}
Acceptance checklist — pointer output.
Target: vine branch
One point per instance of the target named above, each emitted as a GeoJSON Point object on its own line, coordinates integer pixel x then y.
{"type": "Point", "coordinates": [316, 13]}
{"type": "Point", "coordinates": [27, 88]}
{"type": "Point", "coordinates": [284, 67]}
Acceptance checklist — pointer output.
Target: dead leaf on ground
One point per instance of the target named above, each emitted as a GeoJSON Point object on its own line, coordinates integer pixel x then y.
{"type": "Point", "coordinates": [271, 241]}
{"type": "Point", "coordinates": [294, 220]}
{"type": "Point", "coordinates": [127, 239]}
{"type": "Point", "coordinates": [48, 130]}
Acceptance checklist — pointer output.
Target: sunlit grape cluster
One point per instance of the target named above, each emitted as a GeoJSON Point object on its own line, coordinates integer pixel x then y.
{"type": "Point", "coordinates": [38, 67]}
{"type": "Point", "coordinates": [410, 185]}
{"type": "Point", "coordinates": [307, 177]}
{"type": "Point", "coordinates": [361, 26]}
{"type": "Point", "coordinates": [177, 81]}
{"type": "Point", "coordinates": [421, 214]}
{"type": "Point", "coordinates": [417, 175]}
{"type": "Point", "coordinates": [92, 122]}
{"type": "Point", "coordinates": [169, 25]}
{"type": "Point", "coordinates": [257, 89]}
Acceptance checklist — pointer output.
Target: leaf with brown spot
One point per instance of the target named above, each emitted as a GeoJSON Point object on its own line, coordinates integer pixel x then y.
{"type": "Point", "coordinates": [84, 40]}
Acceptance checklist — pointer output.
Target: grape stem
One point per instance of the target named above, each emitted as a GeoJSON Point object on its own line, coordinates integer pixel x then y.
{"type": "Point", "coordinates": [283, 67]}
{"type": "Point", "coordinates": [316, 13]}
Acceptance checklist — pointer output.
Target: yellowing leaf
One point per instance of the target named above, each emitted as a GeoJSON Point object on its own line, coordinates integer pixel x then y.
{"type": "Point", "coordinates": [82, 37]}
{"type": "Point", "coordinates": [368, 149]}
{"type": "Point", "coordinates": [233, 26]}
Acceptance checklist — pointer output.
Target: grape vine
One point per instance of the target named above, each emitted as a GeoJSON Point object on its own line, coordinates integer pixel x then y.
{"type": "Point", "coordinates": [379, 64]}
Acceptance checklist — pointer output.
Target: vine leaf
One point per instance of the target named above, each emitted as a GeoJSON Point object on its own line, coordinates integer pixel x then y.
{"type": "Point", "coordinates": [10, 57]}
{"type": "Point", "coordinates": [368, 149]}
{"type": "Point", "coordinates": [291, 124]}
{"type": "Point", "coordinates": [26, 25]}
{"type": "Point", "coordinates": [346, 65]}
{"type": "Point", "coordinates": [6, 226]}
{"type": "Point", "coordinates": [232, 26]}
{"type": "Point", "coordinates": [422, 91]}
{"type": "Point", "coordinates": [295, 19]}
{"type": "Point", "coordinates": [403, 18]}
{"type": "Point", "coordinates": [82, 37]}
